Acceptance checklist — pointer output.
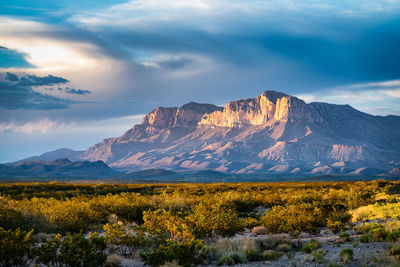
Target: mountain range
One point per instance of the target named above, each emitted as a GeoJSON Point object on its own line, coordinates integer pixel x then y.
{"type": "Point", "coordinates": [59, 168]}
{"type": "Point", "coordinates": [271, 133]}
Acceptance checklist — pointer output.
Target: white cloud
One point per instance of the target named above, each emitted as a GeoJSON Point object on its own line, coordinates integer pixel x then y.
{"type": "Point", "coordinates": [393, 93]}
{"type": "Point", "coordinates": [40, 126]}
{"type": "Point", "coordinates": [46, 126]}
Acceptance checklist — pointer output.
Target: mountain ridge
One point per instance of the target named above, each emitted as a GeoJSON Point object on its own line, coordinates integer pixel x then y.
{"type": "Point", "coordinates": [270, 133]}
{"type": "Point", "coordinates": [255, 135]}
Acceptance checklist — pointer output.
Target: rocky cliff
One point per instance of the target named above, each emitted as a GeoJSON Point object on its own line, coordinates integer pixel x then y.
{"type": "Point", "coordinates": [273, 132]}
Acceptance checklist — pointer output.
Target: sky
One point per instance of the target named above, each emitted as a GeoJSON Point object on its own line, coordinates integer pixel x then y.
{"type": "Point", "coordinates": [74, 72]}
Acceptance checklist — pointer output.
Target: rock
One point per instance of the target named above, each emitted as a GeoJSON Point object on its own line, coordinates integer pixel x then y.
{"type": "Point", "coordinates": [271, 133]}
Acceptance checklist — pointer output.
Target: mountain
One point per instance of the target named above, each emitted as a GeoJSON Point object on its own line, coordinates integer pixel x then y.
{"type": "Point", "coordinates": [59, 168]}
{"type": "Point", "coordinates": [158, 174]}
{"type": "Point", "coordinates": [53, 155]}
{"type": "Point", "coordinates": [271, 133]}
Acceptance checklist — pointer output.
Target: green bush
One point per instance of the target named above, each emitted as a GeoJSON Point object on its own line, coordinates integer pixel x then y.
{"type": "Point", "coordinates": [293, 219]}
{"type": "Point", "coordinates": [17, 247]}
{"type": "Point", "coordinates": [393, 236]}
{"type": "Point", "coordinates": [252, 255]}
{"type": "Point", "coordinates": [311, 246]}
{"type": "Point", "coordinates": [225, 260]}
{"type": "Point", "coordinates": [379, 234]}
{"type": "Point", "coordinates": [394, 249]}
{"type": "Point", "coordinates": [11, 219]}
{"type": "Point", "coordinates": [185, 254]}
{"type": "Point", "coordinates": [344, 237]}
{"type": "Point", "coordinates": [317, 257]}
{"type": "Point", "coordinates": [337, 220]}
{"type": "Point", "coordinates": [125, 240]}
{"type": "Point", "coordinates": [365, 238]}
{"type": "Point", "coordinates": [238, 258]}
{"type": "Point", "coordinates": [346, 255]}
{"type": "Point", "coordinates": [271, 255]}
{"type": "Point", "coordinates": [222, 220]}
{"type": "Point", "coordinates": [73, 250]}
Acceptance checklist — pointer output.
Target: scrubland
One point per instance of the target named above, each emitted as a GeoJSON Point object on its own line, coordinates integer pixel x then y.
{"type": "Point", "coordinates": [280, 224]}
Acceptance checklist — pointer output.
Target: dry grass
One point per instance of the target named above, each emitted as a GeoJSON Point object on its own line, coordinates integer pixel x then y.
{"type": "Point", "coordinates": [376, 211]}
{"type": "Point", "coordinates": [259, 230]}
{"type": "Point", "coordinates": [114, 260]}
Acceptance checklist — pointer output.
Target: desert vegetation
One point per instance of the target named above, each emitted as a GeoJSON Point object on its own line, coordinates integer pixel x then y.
{"type": "Point", "coordinates": [319, 223]}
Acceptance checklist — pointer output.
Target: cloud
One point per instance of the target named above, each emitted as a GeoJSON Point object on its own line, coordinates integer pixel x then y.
{"type": "Point", "coordinates": [174, 64]}
{"type": "Point", "coordinates": [11, 77]}
{"type": "Point", "coordinates": [378, 98]}
{"type": "Point", "coordinates": [17, 92]}
{"type": "Point", "coordinates": [392, 93]}
{"type": "Point", "coordinates": [41, 126]}
{"type": "Point", "coordinates": [70, 90]}
{"type": "Point", "coordinates": [33, 80]}
{"type": "Point", "coordinates": [46, 125]}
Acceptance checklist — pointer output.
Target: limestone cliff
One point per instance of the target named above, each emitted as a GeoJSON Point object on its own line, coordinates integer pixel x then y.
{"type": "Point", "coordinates": [268, 108]}
{"type": "Point", "coordinates": [273, 132]}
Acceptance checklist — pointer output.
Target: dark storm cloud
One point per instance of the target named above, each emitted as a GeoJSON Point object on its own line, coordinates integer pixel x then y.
{"type": "Point", "coordinates": [18, 93]}
{"type": "Point", "coordinates": [11, 77]}
{"type": "Point", "coordinates": [174, 64]}
{"type": "Point", "coordinates": [13, 96]}
{"type": "Point", "coordinates": [70, 90]}
{"type": "Point", "coordinates": [33, 80]}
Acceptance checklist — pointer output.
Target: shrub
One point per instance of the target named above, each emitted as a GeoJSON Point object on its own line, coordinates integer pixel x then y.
{"type": "Point", "coordinates": [16, 247]}
{"type": "Point", "coordinates": [337, 220]}
{"type": "Point", "coordinates": [233, 248]}
{"type": "Point", "coordinates": [393, 236]}
{"type": "Point", "coordinates": [379, 234]}
{"type": "Point", "coordinates": [394, 249]}
{"type": "Point", "coordinates": [343, 237]}
{"type": "Point", "coordinates": [250, 222]}
{"type": "Point", "coordinates": [317, 257]}
{"type": "Point", "coordinates": [311, 246]}
{"type": "Point", "coordinates": [238, 258]}
{"type": "Point", "coordinates": [284, 247]}
{"type": "Point", "coordinates": [114, 260]}
{"type": "Point", "coordinates": [259, 230]}
{"type": "Point", "coordinates": [185, 254]}
{"type": "Point", "coordinates": [225, 260]}
{"type": "Point", "coordinates": [346, 255]}
{"type": "Point", "coordinates": [365, 238]}
{"type": "Point", "coordinates": [252, 255]}
{"type": "Point", "coordinates": [11, 219]}
{"type": "Point", "coordinates": [217, 218]}
{"type": "Point", "coordinates": [271, 255]}
{"type": "Point", "coordinates": [73, 250]}
{"type": "Point", "coordinates": [293, 219]}
{"type": "Point", "coordinates": [125, 240]}
{"type": "Point", "coordinates": [43, 237]}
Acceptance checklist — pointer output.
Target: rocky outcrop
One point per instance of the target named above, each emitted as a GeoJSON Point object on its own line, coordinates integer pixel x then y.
{"type": "Point", "coordinates": [268, 108]}
{"type": "Point", "coordinates": [273, 132]}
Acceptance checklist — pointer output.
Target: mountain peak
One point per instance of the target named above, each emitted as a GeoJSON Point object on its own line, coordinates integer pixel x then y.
{"type": "Point", "coordinates": [269, 107]}
{"type": "Point", "coordinates": [272, 132]}
{"type": "Point", "coordinates": [273, 96]}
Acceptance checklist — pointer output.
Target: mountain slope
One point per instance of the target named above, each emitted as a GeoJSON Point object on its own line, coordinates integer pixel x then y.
{"type": "Point", "coordinates": [58, 169]}
{"type": "Point", "coordinates": [70, 154]}
{"type": "Point", "coordinates": [273, 132]}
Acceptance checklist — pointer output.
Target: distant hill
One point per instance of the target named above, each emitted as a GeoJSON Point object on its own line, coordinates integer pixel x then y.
{"type": "Point", "coordinates": [70, 154]}
{"type": "Point", "coordinates": [60, 168]}
{"type": "Point", "coordinates": [151, 173]}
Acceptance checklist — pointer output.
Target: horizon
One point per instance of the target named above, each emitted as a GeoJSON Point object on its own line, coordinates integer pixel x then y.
{"type": "Point", "coordinates": [73, 73]}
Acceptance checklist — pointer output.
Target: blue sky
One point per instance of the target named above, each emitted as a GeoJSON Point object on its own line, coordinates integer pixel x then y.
{"type": "Point", "coordinates": [68, 68]}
